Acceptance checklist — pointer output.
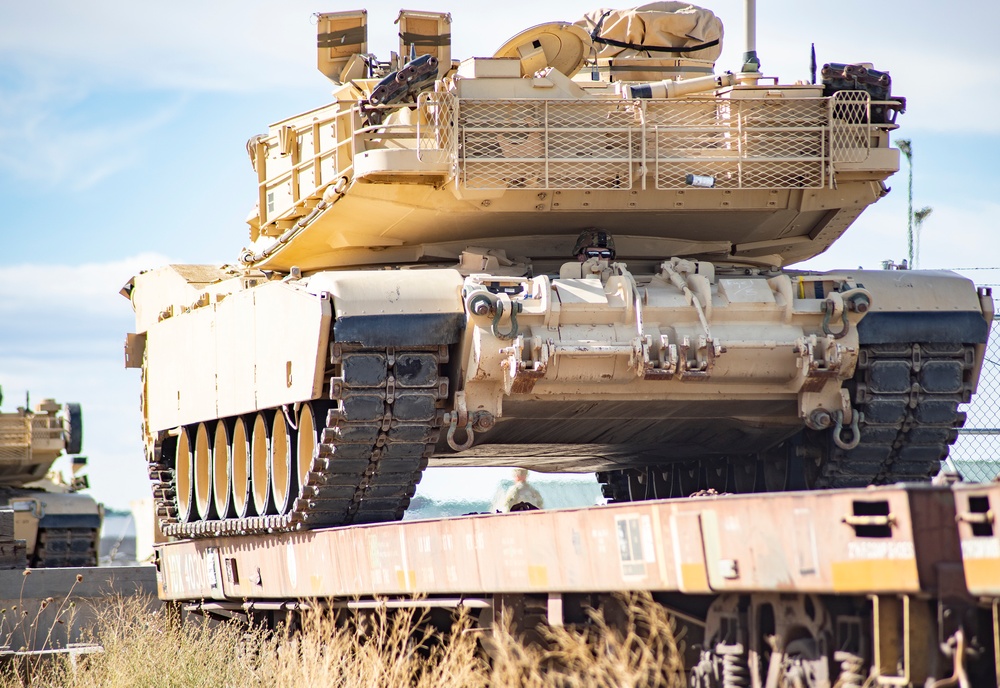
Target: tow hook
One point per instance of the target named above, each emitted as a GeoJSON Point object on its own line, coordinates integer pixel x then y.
{"type": "Point", "coordinates": [830, 307]}
{"type": "Point", "coordinates": [838, 429]}
{"type": "Point", "coordinates": [839, 303]}
{"type": "Point", "coordinates": [480, 421]}
{"type": "Point", "coordinates": [470, 436]}
{"type": "Point", "coordinates": [485, 304]}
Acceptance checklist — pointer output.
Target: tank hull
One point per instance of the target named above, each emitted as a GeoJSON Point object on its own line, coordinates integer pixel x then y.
{"type": "Point", "coordinates": [414, 291]}
{"type": "Point", "coordinates": [59, 529]}
{"type": "Point", "coordinates": [695, 376]}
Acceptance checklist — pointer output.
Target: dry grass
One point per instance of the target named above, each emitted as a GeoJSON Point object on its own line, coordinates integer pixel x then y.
{"type": "Point", "coordinates": [381, 649]}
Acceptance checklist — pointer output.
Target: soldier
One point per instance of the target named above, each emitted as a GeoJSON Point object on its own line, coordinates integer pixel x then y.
{"type": "Point", "coordinates": [594, 243]}
{"type": "Point", "coordinates": [521, 496]}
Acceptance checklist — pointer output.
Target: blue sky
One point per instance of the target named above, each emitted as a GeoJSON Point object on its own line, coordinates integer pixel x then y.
{"type": "Point", "coordinates": [122, 132]}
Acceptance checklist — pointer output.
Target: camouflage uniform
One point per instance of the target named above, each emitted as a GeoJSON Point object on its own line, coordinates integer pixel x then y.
{"type": "Point", "coordinates": [594, 238]}
{"type": "Point", "coordinates": [521, 491]}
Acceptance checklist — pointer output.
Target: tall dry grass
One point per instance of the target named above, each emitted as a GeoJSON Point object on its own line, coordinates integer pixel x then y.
{"type": "Point", "coordinates": [380, 649]}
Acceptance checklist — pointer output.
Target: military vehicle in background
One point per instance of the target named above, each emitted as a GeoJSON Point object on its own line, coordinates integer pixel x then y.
{"type": "Point", "coordinates": [59, 524]}
{"type": "Point", "coordinates": [571, 254]}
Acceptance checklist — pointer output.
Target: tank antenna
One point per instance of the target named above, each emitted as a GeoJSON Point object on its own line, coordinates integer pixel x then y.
{"type": "Point", "coordinates": [812, 63]}
{"type": "Point", "coordinates": [751, 63]}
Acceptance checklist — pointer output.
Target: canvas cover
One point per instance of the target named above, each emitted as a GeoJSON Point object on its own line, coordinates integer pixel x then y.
{"type": "Point", "coordinates": [658, 24]}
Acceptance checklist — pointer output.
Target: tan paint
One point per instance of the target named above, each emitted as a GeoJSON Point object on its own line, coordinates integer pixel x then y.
{"type": "Point", "coordinates": [587, 550]}
{"type": "Point", "coordinates": [874, 576]}
{"type": "Point", "coordinates": [980, 547]}
{"type": "Point", "coordinates": [487, 175]}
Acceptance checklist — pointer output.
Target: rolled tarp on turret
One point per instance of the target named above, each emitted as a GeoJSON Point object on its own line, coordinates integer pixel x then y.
{"type": "Point", "coordinates": [659, 29]}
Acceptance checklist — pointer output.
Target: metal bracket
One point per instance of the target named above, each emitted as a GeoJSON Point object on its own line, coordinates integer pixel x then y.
{"type": "Point", "coordinates": [705, 353]}
{"type": "Point", "coordinates": [520, 375]}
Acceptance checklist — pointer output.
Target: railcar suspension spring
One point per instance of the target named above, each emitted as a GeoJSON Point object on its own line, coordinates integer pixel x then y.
{"type": "Point", "coordinates": [851, 669]}
{"type": "Point", "coordinates": [735, 673]}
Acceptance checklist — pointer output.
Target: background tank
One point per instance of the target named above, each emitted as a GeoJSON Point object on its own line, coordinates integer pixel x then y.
{"type": "Point", "coordinates": [571, 255]}
{"type": "Point", "coordinates": [60, 526]}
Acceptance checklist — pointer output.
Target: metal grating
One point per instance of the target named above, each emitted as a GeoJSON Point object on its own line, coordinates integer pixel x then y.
{"type": "Point", "coordinates": [850, 131]}
{"type": "Point", "coordinates": [534, 143]}
{"type": "Point", "coordinates": [546, 144]}
{"type": "Point", "coordinates": [15, 438]}
{"type": "Point", "coordinates": [754, 143]}
{"type": "Point", "coordinates": [437, 115]}
{"type": "Point", "coordinates": [976, 454]}
{"type": "Point", "coordinates": [740, 143]}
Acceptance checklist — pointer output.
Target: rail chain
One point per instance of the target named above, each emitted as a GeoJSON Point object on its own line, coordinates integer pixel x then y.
{"type": "Point", "coordinates": [371, 452]}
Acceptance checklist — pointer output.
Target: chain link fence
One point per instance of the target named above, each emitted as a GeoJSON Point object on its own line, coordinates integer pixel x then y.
{"type": "Point", "coordinates": [976, 454]}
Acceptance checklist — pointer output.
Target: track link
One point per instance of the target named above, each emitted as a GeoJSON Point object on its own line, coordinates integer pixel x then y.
{"type": "Point", "coordinates": [371, 452]}
{"type": "Point", "coordinates": [908, 396]}
{"type": "Point", "coordinates": [60, 547]}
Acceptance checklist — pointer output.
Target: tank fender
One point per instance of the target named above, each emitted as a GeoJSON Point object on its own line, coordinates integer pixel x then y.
{"type": "Point", "coordinates": [395, 308]}
{"type": "Point", "coordinates": [920, 306]}
{"type": "Point", "coordinates": [70, 521]}
{"type": "Point", "coordinates": [257, 348]}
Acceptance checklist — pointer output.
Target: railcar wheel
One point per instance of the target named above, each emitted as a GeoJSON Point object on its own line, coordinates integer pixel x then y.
{"type": "Point", "coordinates": [688, 478]}
{"type": "Point", "coordinates": [662, 478]}
{"type": "Point", "coordinates": [639, 486]}
{"type": "Point", "coordinates": [744, 472]}
{"type": "Point", "coordinates": [222, 460]}
{"type": "Point", "coordinates": [260, 450]}
{"type": "Point", "coordinates": [242, 500]}
{"type": "Point", "coordinates": [775, 462]}
{"type": "Point", "coordinates": [184, 472]}
{"type": "Point", "coordinates": [280, 464]}
{"type": "Point", "coordinates": [203, 472]}
{"type": "Point", "coordinates": [717, 473]}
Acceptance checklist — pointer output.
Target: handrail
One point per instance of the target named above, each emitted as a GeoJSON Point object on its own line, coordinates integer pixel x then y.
{"type": "Point", "coordinates": [738, 143]}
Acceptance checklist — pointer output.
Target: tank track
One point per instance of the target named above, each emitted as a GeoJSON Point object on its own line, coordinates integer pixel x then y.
{"type": "Point", "coordinates": [371, 452]}
{"type": "Point", "coordinates": [60, 547]}
{"type": "Point", "coordinates": [908, 397]}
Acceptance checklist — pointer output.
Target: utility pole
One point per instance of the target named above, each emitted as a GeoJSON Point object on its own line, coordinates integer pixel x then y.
{"type": "Point", "coordinates": [906, 149]}
{"type": "Point", "coordinates": [919, 216]}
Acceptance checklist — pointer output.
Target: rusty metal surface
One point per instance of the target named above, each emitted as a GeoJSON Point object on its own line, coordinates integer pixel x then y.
{"type": "Point", "coordinates": [976, 508]}
{"type": "Point", "coordinates": [880, 540]}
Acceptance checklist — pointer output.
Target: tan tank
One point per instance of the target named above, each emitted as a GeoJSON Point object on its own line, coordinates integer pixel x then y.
{"type": "Point", "coordinates": [569, 255]}
{"type": "Point", "coordinates": [60, 525]}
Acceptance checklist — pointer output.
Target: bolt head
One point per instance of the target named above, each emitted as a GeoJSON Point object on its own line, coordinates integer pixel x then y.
{"type": "Point", "coordinates": [481, 308]}
{"type": "Point", "coordinates": [820, 419]}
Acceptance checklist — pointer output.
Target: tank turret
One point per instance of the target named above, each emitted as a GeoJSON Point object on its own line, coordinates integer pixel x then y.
{"type": "Point", "coordinates": [59, 524]}
{"type": "Point", "coordinates": [570, 254]}
{"type": "Point", "coordinates": [31, 440]}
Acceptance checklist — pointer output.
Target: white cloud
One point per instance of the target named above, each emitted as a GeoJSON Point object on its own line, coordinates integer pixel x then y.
{"type": "Point", "coordinates": [62, 338]}
{"type": "Point", "coordinates": [176, 46]}
{"type": "Point", "coordinates": [90, 289]}
{"type": "Point", "coordinates": [42, 144]}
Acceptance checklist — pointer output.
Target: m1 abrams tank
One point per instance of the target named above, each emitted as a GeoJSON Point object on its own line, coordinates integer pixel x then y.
{"type": "Point", "coordinates": [59, 525]}
{"type": "Point", "coordinates": [570, 255]}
